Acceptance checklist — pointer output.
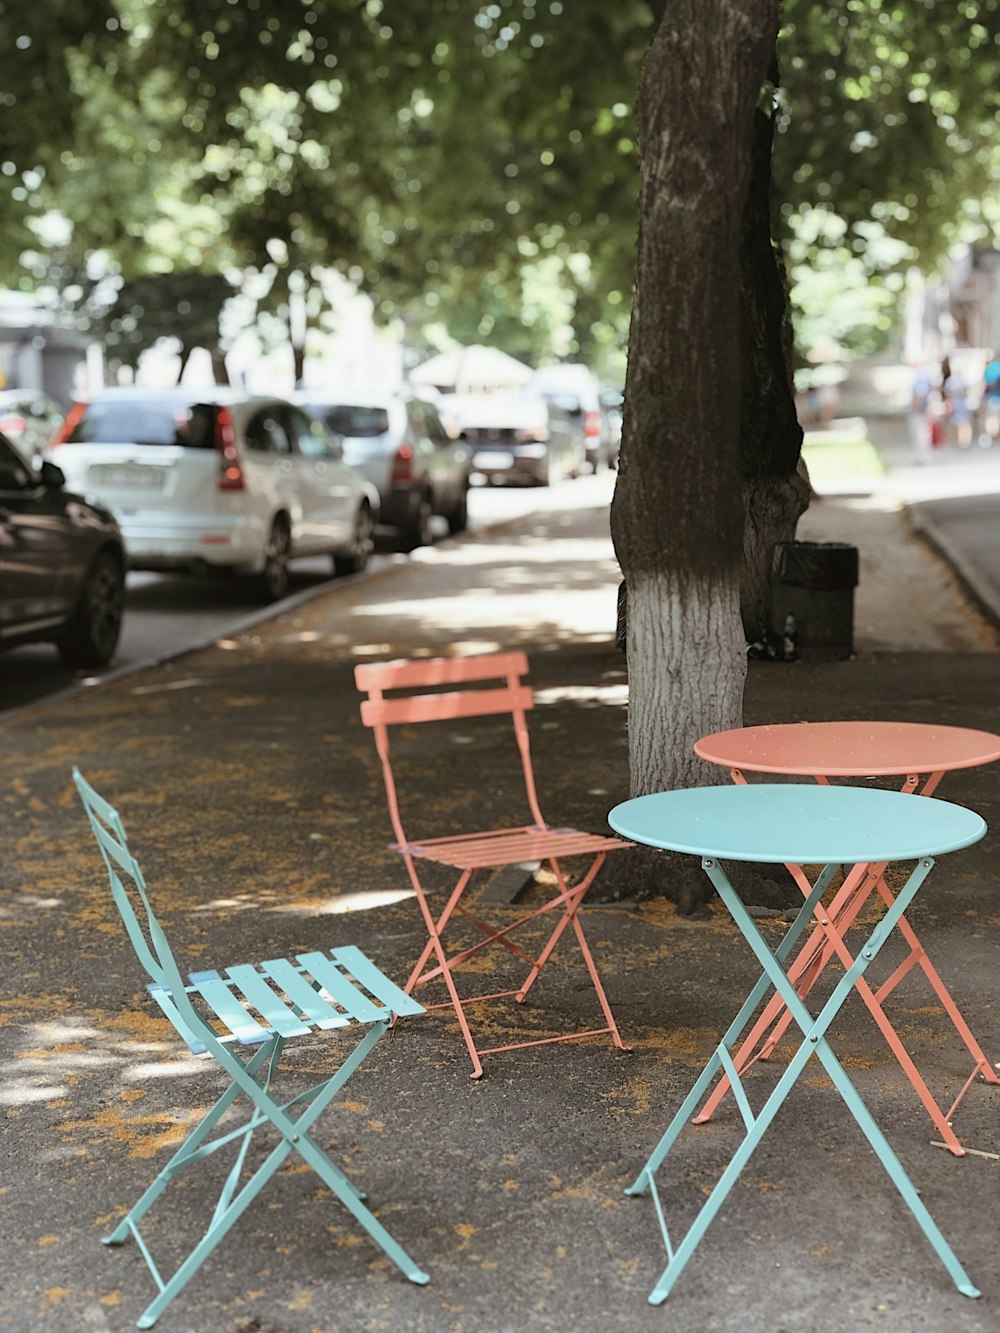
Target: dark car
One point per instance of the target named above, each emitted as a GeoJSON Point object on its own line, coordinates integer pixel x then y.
{"type": "Point", "coordinates": [517, 438]}
{"type": "Point", "coordinates": [62, 565]}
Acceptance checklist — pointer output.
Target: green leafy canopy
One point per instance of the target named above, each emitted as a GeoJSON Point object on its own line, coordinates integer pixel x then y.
{"type": "Point", "coordinates": [434, 153]}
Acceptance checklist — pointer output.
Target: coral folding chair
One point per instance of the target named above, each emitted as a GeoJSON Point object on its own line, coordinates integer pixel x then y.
{"type": "Point", "coordinates": [258, 1007]}
{"type": "Point", "coordinates": [404, 693]}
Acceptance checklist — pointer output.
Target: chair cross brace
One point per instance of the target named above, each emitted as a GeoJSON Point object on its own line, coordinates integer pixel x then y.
{"type": "Point", "coordinates": [568, 899]}
{"type": "Point", "coordinates": [234, 1198]}
{"type": "Point", "coordinates": [814, 1042]}
{"type": "Point", "coordinates": [456, 690]}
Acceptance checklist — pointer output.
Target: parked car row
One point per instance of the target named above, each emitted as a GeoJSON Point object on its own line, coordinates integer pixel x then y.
{"type": "Point", "coordinates": [221, 479]}
{"type": "Point", "coordinates": [516, 438]}
{"type": "Point", "coordinates": [574, 391]}
{"type": "Point", "coordinates": [557, 425]}
{"type": "Point", "coordinates": [190, 480]}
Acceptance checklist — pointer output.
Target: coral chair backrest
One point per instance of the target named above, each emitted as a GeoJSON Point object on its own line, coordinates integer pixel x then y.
{"type": "Point", "coordinates": [128, 888]}
{"type": "Point", "coordinates": [482, 672]}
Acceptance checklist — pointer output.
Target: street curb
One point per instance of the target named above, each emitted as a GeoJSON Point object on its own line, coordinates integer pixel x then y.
{"type": "Point", "coordinates": [977, 589]}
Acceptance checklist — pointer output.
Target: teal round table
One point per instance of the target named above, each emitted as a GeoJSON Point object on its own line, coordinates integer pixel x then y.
{"type": "Point", "coordinates": [920, 753]}
{"type": "Point", "coordinates": [794, 824]}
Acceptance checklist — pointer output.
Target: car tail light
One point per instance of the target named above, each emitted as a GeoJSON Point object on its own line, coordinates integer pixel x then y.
{"type": "Point", "coordinates": [402, 466]}
{"type": "Point", "coordinates": [13, 425]}
{"type": "Point", "coordinates": [69, 425]}
{"type": "Point", "coordinates": [231, 476]}
{"type": "Point", "coordinates": [592, 424]}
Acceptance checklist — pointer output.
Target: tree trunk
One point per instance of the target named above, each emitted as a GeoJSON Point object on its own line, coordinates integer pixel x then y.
{"type": "Point", "coordinates": [185, 357]}
{"type": "Point", "coordinates": [298, 363]}
{"type": "Point", "coordinates": [220, 371]}
{"type": "Point", "coordinates": [677, 514]}
{"type": "Point", "coordinates": [775, 483]}
{"type": "Point", "coordinates": [298, 323]}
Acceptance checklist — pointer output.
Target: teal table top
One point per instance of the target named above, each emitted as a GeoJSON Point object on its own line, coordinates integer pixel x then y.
{"type": "Point", "coordinates": [797, 823]}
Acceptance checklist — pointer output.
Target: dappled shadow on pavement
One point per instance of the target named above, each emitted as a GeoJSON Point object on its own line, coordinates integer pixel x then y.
{"type": "Point", "coordinates": [253, 799]}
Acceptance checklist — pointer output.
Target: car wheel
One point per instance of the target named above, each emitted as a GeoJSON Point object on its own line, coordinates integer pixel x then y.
{"type": "Point", "coordinates": [417, 531]}
{"type": "Point", "coordinates": [274, 576]}
{"type": "Point", "coordinates": [354, 559]}
{"type": "Point", "coordinates": [91, 637]}
{"type": "Point", "coordinates": [458, 518]}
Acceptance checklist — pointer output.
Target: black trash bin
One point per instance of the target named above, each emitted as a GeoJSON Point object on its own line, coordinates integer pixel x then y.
{"type": "Point", "coordinates": [812, 600]}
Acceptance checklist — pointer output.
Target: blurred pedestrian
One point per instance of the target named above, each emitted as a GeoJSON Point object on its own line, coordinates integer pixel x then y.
{"type": "Point", "coordinates": [919, 420]}
{"type": "Point", "coordinates": [958, 417]}
{"type": "Point", "coordinates": [990, 406]}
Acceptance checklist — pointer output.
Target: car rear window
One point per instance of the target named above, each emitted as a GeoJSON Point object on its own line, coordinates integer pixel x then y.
{"type": "Point", "coordinates": [352, 420]}
{"type": "Point", "coordinates": [145, 423]}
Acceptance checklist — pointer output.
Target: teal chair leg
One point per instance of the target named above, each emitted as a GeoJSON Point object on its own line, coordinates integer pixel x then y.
{"type": "Point", "coordinates": [255, 1007]}
{"type": "Point", "coordinates": [185, 1154]}
{"type": "Point", "coordinates": [233, 1201]}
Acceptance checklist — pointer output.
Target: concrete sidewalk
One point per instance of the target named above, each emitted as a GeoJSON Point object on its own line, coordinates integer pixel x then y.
{"type": "Point", "coordinates": [251, 795]}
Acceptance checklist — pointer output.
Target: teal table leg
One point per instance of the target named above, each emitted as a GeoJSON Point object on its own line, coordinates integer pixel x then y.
{"type": "Point", "coordinates": [717, 1062]}
{"type": "Point", "coordinates": [814, 1042]}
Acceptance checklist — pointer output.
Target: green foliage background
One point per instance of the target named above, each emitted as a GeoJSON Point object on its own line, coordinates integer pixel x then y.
{"type": "Point", "coordinates": [474, 169]}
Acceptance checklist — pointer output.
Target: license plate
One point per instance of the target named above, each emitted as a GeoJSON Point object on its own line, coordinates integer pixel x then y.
{"type": "Point", "coordinates": [487, 460]}
{"type": "Point", "coordinates": [134, 477]}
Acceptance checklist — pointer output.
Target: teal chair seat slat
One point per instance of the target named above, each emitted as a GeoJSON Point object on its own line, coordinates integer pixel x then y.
{"type": "Point", "coordinates": [261, 1006]}
{"type": "Point", "coordinates": [263, 998]}
{"type": "Point", "coordinates": [219, 997]}
{"type": "Point", "coordinates": [384, 990]}
{"type": "Point", "coordinates": [303, 995]}
{"type": "Point", "coordinates": [329, 975]}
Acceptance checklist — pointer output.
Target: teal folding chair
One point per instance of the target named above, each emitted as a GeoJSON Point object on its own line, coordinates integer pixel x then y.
{"type": "Point", "coordinates": [259, 1006]}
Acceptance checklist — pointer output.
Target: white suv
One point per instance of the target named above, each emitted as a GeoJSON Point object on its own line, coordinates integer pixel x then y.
{"type": "Point", "coordinates": [218, 478]}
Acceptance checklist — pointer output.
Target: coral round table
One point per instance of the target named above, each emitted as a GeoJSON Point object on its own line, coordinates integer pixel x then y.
{"type": "Point", "coordinates": [794, 824]}
{"type": "Point", "coordinates": [824, 750]}
{"type": "Point", "coordinates": [920, 754]}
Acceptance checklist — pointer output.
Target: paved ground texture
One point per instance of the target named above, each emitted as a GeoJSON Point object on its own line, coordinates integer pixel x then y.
{"type": "Point", "coordinates": [251, 794]}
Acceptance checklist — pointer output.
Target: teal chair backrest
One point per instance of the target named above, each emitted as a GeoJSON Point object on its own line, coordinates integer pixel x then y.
{"type": "Point", "coordinates": [128, 888]}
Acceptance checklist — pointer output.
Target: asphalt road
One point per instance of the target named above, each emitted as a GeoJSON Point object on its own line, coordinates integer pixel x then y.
{"type": "Point", "coordinates": [169, 613]}
{"type": "Point", "coordinates": [953, 499]}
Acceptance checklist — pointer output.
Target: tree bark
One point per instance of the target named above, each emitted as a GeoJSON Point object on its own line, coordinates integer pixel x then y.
{"type": "Point", "coordinates": [184, 358]}
{"type": "Point", "coordinates": [776, 486]}
{"type": "Point", "coordinates": [689, 467]}
{"type": "Point", "coordinates": [220, 371]}
{"type": "Point", "coordinates": [677, 514]}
